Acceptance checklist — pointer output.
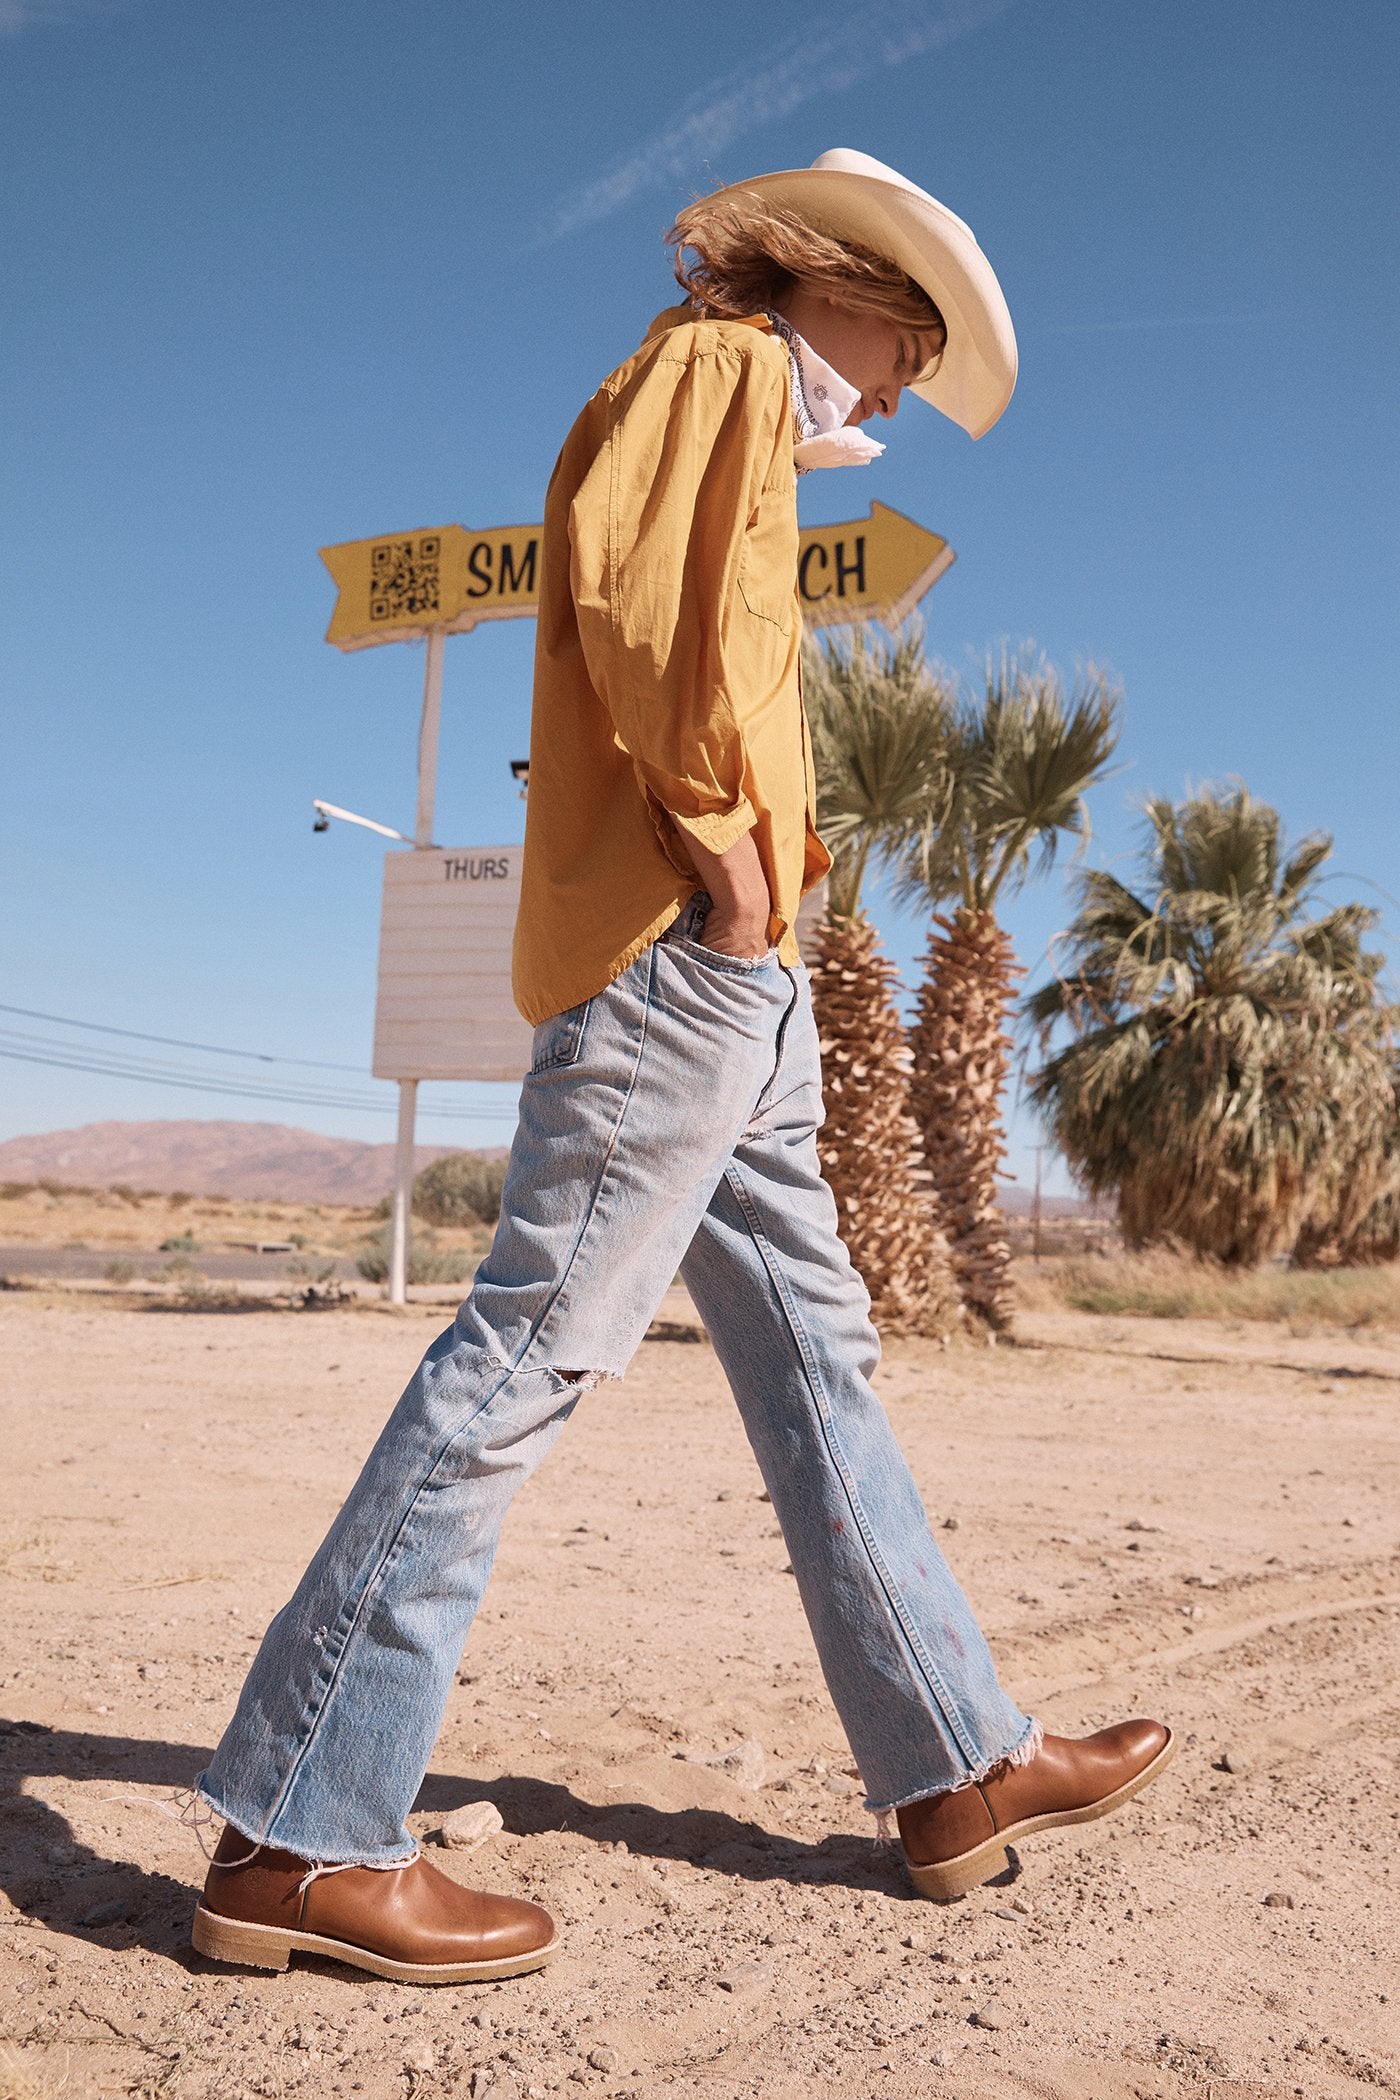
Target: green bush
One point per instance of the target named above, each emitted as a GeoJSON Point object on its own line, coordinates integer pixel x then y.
{"type": "Point", "coordinates": [461, 1188]}
{"type": "Point", "coordinates": [427, 1261]}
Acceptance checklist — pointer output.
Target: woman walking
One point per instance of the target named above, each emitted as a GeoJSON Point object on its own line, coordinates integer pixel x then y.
{"type": "Point", "coordinates": [668, 1120]}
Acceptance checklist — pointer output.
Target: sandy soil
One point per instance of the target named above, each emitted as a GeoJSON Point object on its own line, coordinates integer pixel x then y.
{"type": "Point", "coordinates": [1164, 1517]}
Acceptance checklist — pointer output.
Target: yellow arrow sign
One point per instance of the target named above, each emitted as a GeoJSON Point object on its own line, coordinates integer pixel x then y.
{"type": "Point", "coordinates": [400, 585]}
{"type": "Point", "coordinates": [881, 565]}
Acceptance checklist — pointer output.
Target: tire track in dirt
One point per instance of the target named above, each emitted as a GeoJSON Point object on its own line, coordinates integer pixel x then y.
{"type": "Point", "coordinates": [1214, 1643]}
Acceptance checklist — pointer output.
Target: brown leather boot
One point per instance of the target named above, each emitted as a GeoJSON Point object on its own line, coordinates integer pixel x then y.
{"type": "Point", "coordinates": [954, 1841]}
{"type": "Point", "coordinates": [411, 1923]}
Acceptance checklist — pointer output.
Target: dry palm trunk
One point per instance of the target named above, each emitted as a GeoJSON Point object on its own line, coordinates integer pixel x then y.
{"type": "Point", "coordinates": [869, 1144]}
{"type": "Point", "coordinates": [960, 1050]}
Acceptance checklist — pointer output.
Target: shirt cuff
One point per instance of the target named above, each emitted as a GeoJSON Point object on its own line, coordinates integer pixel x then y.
{"type": "Point", "coordinates": [718, 830]}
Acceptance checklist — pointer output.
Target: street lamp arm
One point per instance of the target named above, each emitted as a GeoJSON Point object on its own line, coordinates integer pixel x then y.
{"type": "Point", "coordinates": [326, 810]}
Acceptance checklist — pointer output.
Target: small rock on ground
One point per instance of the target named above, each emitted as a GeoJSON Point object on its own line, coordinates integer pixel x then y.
{"type": "Point", "coordinates": [468, 1828]}
{"type": "Point", "coordinates": [746, 1976]}
{"type": "Point", "coordinates": [745, 1764]}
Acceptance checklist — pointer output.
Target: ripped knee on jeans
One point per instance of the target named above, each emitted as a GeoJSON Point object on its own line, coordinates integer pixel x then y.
{"type": "Point", "coordinates": [584, 1381]}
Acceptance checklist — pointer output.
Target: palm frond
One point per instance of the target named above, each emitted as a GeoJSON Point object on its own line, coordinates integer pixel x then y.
{"type": "Point", "coordinates": [880, 719]}
{"type": "Point", "coordinates": [1021, 758]}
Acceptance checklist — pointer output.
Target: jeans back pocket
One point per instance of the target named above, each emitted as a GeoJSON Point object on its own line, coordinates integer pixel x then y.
{"type": "Point", "coordinates": [559, 1040]}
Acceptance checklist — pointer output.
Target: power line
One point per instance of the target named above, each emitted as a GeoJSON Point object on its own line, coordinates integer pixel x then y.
{"type": "Point", "coordinates": [175, 1042]}
{"type": "Point", "coordinates": [126, 1064]}
{"type": "Point", "coordinates": [295, 1095]}
{"type": "Point", "coordinates": [246, 1090]}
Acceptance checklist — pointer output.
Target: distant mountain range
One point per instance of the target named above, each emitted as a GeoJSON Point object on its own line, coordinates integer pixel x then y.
{"type": "Point", "coordinates": [274, 1161]}
{"type": "Point", "coordinates": [211, 1159]}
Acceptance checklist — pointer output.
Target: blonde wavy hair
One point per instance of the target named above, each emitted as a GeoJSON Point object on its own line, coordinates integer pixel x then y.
{"type": "Point", "coordinates": [748, 254]}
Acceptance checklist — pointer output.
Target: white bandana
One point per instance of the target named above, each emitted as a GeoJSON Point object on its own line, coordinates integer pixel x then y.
{"type": "Point", "coordinates": [821, 402]}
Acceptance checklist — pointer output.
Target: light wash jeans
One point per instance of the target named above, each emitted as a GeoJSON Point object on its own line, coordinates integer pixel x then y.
{"type": "Point", "coordinates": [669, 1122]}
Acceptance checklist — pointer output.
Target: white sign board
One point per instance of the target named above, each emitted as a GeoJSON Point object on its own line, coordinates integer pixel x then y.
{"type": "Point", "coordinates": [445, 1010]}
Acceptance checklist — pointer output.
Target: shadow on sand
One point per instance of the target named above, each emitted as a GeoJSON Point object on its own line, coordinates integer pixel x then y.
{"type": "Point", "coordinates": [74, 1890]}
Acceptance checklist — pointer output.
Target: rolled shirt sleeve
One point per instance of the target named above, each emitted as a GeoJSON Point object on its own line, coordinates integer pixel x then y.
{"type": "Point", "coordinates": [658, 535]}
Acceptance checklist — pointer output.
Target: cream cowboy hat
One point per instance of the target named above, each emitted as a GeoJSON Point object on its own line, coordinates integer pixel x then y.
{"type": "Point", "coordinates": [855, 198]}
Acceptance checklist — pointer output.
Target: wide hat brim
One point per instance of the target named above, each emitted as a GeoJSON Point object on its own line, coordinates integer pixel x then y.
{"type": "Point", "coordinates": [855, 198]}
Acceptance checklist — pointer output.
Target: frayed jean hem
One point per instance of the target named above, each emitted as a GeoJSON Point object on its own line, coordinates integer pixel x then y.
{"type": "Point", "coordinates": [1024, 1751]}
{"type": "Point", "coordinates": [257, 1841]}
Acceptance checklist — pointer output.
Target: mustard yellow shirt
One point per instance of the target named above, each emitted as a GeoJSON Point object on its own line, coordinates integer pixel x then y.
{"type": "Point", "coordinates": [667, 697]}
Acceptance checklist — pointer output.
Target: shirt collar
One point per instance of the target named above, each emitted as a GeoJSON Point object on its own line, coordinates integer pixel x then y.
{"type": "Point", "coordinates": [821, 402]}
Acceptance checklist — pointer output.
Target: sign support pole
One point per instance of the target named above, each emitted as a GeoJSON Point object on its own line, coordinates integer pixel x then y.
{"type": "Point", "coordinates": [428, 737]}
{"type": "Point", "coordinates": [428, 732]}
{"type": "Point", "coordinates": [403, 1194]}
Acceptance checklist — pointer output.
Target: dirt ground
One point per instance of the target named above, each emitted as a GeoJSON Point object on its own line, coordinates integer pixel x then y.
{"type": "Point", "coordinates": [1189, 1519]}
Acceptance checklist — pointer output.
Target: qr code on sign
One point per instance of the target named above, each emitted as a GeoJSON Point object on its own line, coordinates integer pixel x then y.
{"type": "Point", "coordinates": [405, 578]}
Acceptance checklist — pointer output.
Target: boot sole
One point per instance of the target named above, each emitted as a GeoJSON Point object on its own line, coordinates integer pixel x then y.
{"type": "Point", "coordinates": [272, 1947]}
{"type": "Point", "coordinates": [954, 1877]}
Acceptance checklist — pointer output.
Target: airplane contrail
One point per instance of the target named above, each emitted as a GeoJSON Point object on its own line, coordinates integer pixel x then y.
{"type": "Point", "coordinates": [835, 51]}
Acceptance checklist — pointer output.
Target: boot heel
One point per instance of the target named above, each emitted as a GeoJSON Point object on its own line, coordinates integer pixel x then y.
{"type": "Point", "coordinates": [230, 1939]}
{"type": "Point", "coordinates": [955, 1877]}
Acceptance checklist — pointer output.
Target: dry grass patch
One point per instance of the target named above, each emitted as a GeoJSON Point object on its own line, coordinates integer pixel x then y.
{"type": "Point", "coordinates": [129, 1223]}
{"type": "Point", "coordinates": [1170, 1286]}
{"type": "Point", "coordinates": [46, 1214]}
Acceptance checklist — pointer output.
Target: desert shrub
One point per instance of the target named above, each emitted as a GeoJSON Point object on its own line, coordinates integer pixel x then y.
{"type": "Point", "coordinates": [1168, 1284]}
{"type": "Point", "coordinates": [121, 1271]}
{"type": "Point", "coordinates": [180, 1243]}
{"type": "Point", "coordinates": [427, 1261]}
{"type": "Point", "coordinates": [461, 1188]}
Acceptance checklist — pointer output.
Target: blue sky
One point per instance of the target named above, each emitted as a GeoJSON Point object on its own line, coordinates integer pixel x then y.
{"type": "Point", "coordinates": [283, 274]}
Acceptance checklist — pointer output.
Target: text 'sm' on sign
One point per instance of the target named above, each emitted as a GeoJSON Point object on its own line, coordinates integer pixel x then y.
{"type": "Point", "coordinates": [397, 586]}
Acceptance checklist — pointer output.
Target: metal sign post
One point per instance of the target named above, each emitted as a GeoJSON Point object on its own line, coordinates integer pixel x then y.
{"type": "Point", "coordinates": [429, 729]}
{"type": "Point", "coordinates": [446, 579]}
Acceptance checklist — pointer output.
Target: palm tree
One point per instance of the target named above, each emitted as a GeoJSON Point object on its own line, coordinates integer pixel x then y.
{"type": "Point", "coordinates": [1230, 1071]}
{"type": "Point", "coordinates": [1360, 1223]}
{"type": "Point", "coordinates": [1020, 757]}
{"type": "Point", "coordinates": [879, 723]}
